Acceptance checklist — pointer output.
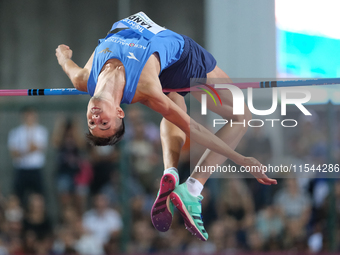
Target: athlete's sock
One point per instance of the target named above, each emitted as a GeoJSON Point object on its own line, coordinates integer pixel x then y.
{"type": "Point", "coordinates": [194, 186]}
{"type": "Point", "coordinates": [168, 171]}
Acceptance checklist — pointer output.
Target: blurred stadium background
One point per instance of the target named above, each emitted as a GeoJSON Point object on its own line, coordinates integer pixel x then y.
{"type": "Point", "coordinates": [250, 39]}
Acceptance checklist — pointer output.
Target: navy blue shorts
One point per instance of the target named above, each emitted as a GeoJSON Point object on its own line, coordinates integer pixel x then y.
{"type": "Point", "coordinates": [195, 62]}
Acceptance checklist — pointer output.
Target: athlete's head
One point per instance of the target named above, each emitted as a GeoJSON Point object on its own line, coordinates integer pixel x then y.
{"type": "Point", "coordinates": [105, 122]}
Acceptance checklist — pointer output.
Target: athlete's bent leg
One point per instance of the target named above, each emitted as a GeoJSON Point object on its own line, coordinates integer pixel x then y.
{"type": "Point", "coordinates": [172, 139]}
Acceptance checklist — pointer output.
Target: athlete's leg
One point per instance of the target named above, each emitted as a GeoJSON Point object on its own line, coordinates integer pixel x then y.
{"type": "Point", "coordinates": [172, 139]}
{"type": "Point", "coordinates": [230, 135]}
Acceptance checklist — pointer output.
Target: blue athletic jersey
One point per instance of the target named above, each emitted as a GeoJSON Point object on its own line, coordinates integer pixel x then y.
{"type": "Point", "coordinates": [133, 50]}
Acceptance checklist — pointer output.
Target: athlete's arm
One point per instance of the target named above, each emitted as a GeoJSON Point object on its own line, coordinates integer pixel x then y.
{"type": "Point", "coordinates": [77, 75]}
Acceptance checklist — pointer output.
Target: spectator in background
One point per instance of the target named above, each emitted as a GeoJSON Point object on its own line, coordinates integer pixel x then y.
{"type": "Point", "coordinates": [143, 145]}
{"type": "Point", "coordinates": [143, 156]}
{"type": "Point", "coordinates": [218, 232]}
{"type": "Point", "coordinates": [295, 208]}
{"type": "Point", "coordinates": [176, 238]}
{"type": "Point", "coordinates": [68, 233]}
{"type": "Point", "coordinates": [11, 227]}
{"type": "Point", "coordinates": [104, 160]}
{"type": "Point", "coordinates": [113, 190]}
{"type": "Point", "coordinates": [27, 144]}
{"type": "Point", "coordinates": [69, 215]}
{"type": "Point", "coordinates": [36, 220]}
{"type": "Point", "coordinates": [269, 225]}
{"type": "Point", "coordinates": [86, 243]}
{"type": "Point", "coordinates": [72, 238]}
{"type": "Point", "coordinates": [102, 221]}
{"type": "Point", "coordinates": [11, 215]}
{"type": "Point", "coordinates": [68, 141]}
{"type": "Point", "coordinates": [254, 241]}
{"type": "Point", "coordinates": [64, 242]}
{"type": "Point", "coordinates": [37, 227]}
{"type": "Point", "coordinates": [13, 210]}
{"type": "Point", "coordinates": [237, 208]}
{"type": "Point", "coordinates": [293, 203]}
{"type": "Point", "coordinates": [143, 236]}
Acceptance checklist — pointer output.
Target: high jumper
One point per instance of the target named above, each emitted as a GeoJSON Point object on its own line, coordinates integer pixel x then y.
{"type": "Point", "coordinates": [134, 63]}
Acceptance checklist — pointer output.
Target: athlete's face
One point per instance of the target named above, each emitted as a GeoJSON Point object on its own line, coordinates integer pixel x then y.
{"type": "Point", "coordinates": [103, 118]}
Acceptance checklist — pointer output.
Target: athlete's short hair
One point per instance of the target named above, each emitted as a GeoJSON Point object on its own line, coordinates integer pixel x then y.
{"type": "Point", "coordinates": [112, 140]}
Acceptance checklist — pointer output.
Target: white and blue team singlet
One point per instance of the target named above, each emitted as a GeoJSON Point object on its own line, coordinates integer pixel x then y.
{"type": "Point", "coordinates": [180, 57]}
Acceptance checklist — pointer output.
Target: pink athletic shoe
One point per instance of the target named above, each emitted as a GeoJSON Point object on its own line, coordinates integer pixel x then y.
{"type": "Point", "coordinates": [162, 209]}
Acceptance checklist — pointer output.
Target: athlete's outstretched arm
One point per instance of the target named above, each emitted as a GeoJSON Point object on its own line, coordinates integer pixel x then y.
{"type": "Point", "coordinates": [173, 113]}
{"type": "Point", "coordinates": [77, 75]}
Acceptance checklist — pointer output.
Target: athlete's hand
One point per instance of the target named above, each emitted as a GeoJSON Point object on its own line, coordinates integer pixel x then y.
{"type": "Point", "coordinates": [63, 53]}
{"type": "Point", "coordinates": [256, 169]}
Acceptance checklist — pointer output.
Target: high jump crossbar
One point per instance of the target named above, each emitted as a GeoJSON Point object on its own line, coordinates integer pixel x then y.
{"type": "Point", "coordinates": [262, 84]}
